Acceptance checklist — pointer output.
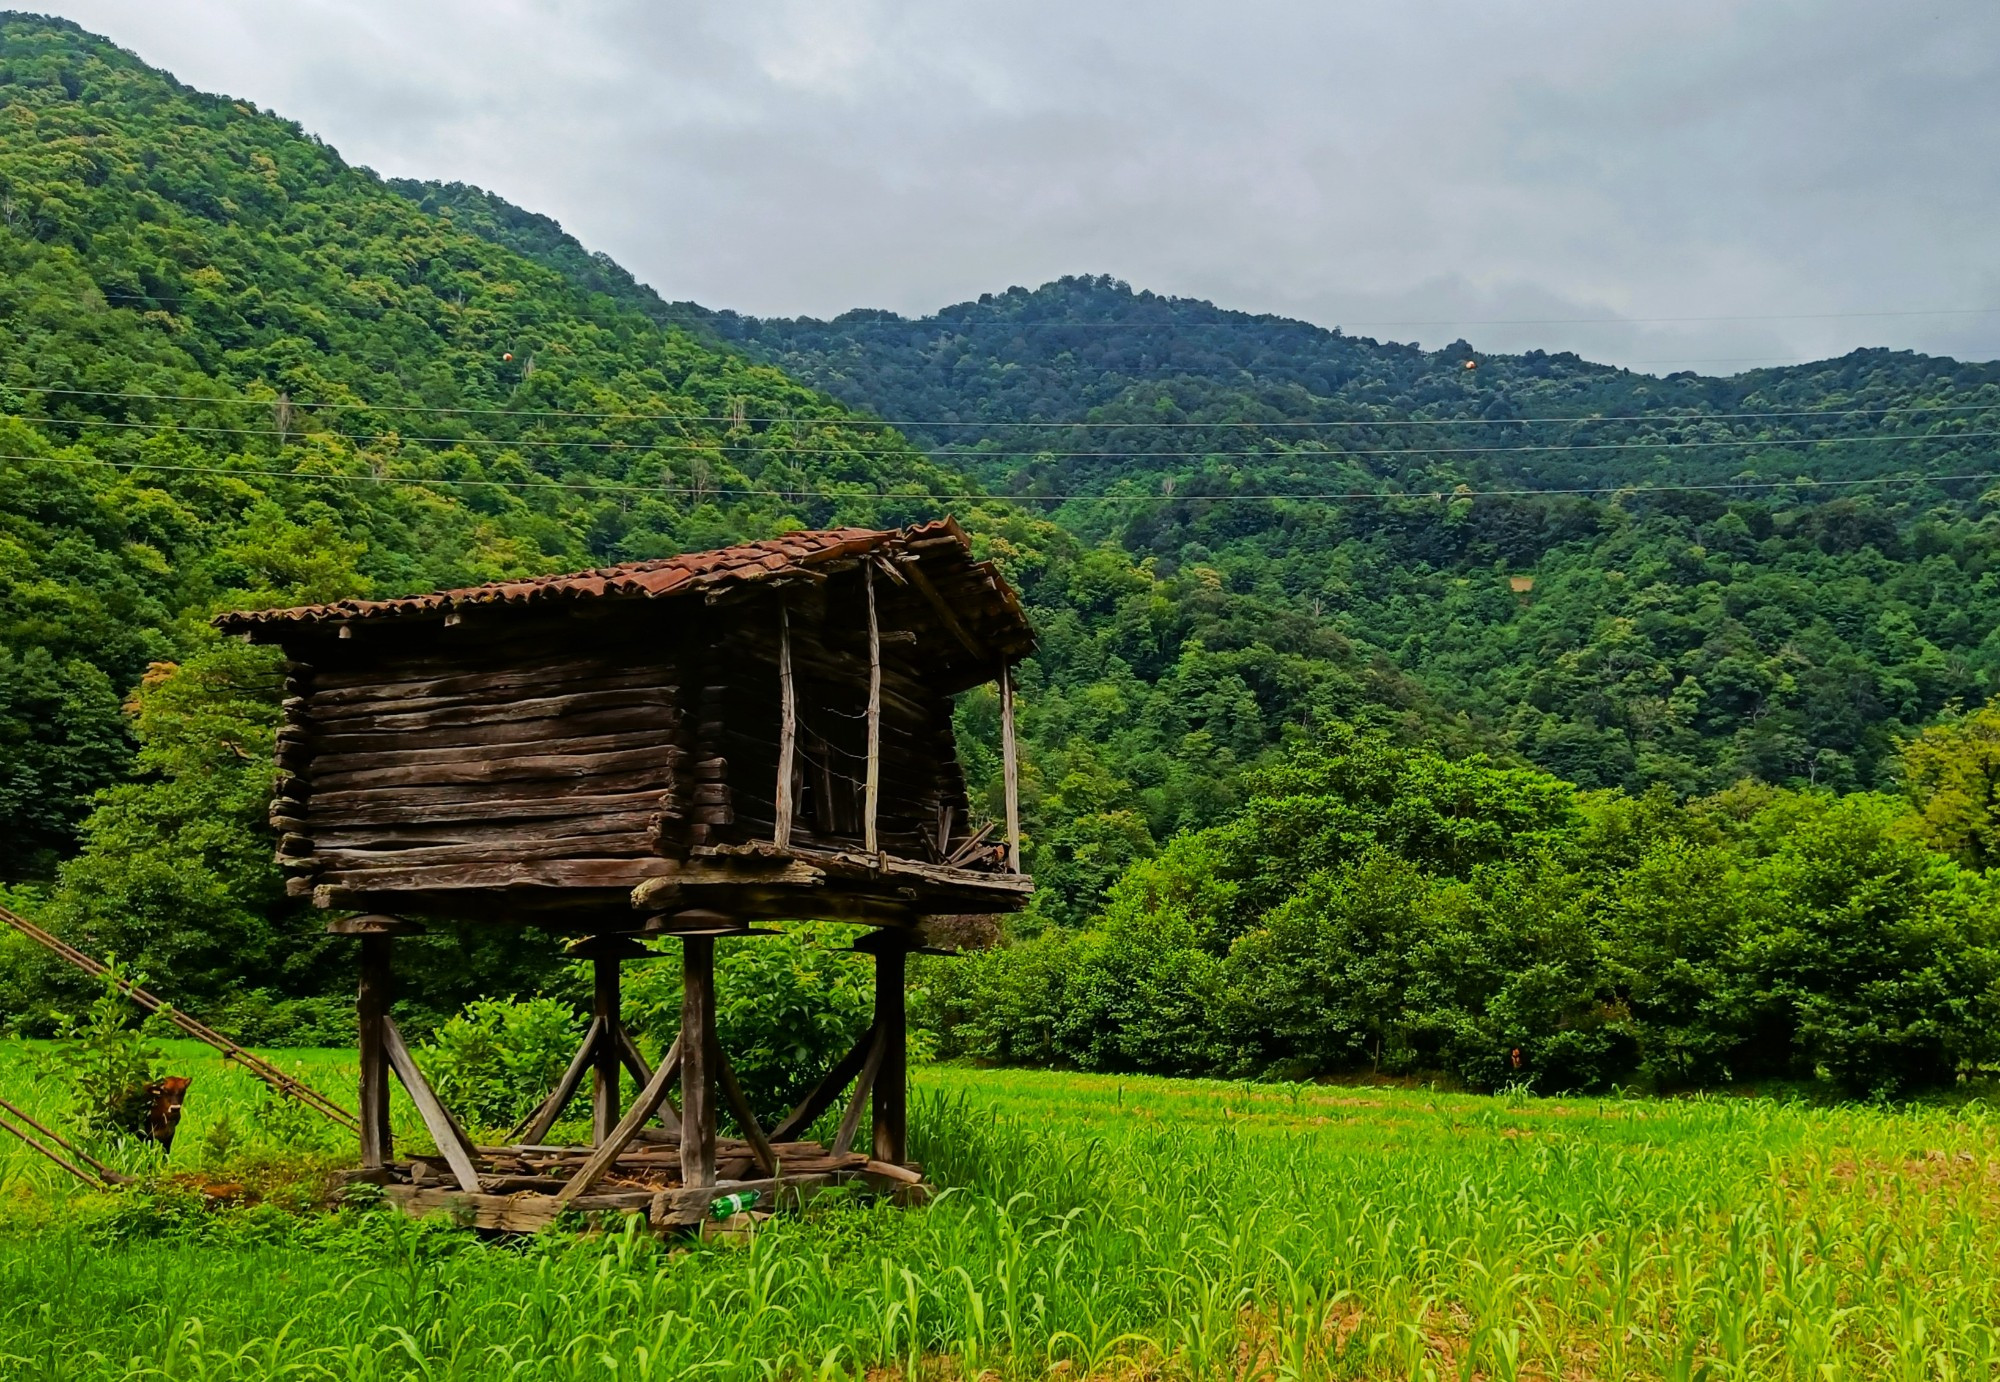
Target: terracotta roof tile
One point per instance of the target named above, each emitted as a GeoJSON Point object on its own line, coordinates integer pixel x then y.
{"type": "Point", "coordinates": [749, 561]}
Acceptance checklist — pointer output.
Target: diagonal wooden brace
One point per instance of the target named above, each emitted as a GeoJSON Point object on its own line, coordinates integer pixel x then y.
{"type": "Point", "coordinates": [620, 1138]}
{"type": "Point", "coordinates": [450, 1138]}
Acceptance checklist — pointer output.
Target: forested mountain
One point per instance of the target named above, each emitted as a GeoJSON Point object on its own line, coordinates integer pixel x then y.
{"type": "Point", "coordinates": [1829, 589]}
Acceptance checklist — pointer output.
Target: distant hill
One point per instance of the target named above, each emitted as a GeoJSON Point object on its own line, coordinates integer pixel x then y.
{"type": "Point", "coordinates": [1780, 630]}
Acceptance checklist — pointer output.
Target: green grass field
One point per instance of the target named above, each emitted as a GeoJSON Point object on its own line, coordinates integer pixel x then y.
{"type": "Point", "coordinates": [1099, 1226]}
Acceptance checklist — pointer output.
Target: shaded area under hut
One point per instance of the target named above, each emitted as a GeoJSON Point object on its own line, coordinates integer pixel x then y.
{"type": "Point", "coordinates": [676, 748]}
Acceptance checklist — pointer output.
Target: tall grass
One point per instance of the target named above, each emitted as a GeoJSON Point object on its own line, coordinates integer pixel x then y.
{"type": "Point", "coordinates": [1098, 1226]}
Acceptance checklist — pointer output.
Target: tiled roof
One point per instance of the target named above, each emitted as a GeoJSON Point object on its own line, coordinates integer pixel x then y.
{"type": "Point", "coordinates": [670, 576]}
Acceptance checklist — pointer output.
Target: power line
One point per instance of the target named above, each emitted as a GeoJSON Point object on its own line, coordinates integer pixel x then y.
{"type": "Point", "coordinates": [799, 493]}
{"type": "Point", "coordinates": [782, 449]}
{"type": "Point", "coordinates": [878, 423]}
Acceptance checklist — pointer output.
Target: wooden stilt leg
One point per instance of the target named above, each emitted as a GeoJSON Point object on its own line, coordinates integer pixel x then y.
{"type": "Point", "coordinates": [697, 1042]}
{"type": "Point", "coordinates": [606, 1062]}
{"type": "Point", "coordinates": [891, 1080]}
{"type": "Point", "coordinates": [371, 1015]}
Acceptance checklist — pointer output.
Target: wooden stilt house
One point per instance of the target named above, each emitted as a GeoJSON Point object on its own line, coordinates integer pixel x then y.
{"type": "Point", "coordinates": [679, 747]}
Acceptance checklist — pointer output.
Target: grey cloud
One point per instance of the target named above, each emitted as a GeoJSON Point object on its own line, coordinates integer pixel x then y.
{"type": "Point", "coordinates": [1506, 164]}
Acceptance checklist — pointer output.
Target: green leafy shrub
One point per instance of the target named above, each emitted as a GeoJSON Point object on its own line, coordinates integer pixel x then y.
{"type": "Point", "coordinates": [787, 1007]}
{"type": "Point", "coordinates": [496, 1060]}
{"type": "Point", "coordinates": [107, 1058]}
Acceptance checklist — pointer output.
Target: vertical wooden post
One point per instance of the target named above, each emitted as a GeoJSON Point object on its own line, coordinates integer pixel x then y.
{"type": "Point", "coordinates": [788, 719]}
{"type": "Point", "coordinates": [606, 1067]}
{"type": "Point", "coordinates": [874, 792]}
{"type": "Point", "coordinates": [697, 1047]}
{"type": "Point", "coordinates": [891, 1080]}
{"type": "Point", "coordinates": [371, 1010]}
{"type": "Point", "coordinates": [1010, 768]}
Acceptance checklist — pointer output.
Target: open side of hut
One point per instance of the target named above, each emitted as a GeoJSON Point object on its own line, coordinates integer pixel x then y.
{"type": "Point", "coordinates": [680, 747]}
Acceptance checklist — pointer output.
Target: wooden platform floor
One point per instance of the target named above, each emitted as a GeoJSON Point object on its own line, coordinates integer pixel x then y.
{"type": "Point", "coordinates": [519, 1185]}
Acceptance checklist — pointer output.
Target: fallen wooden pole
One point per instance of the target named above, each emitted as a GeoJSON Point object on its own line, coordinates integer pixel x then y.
{"type": "Point", "coordinates": [104, 1172]}
{"type": "Point", "coordinates": [92, 1181]}
{"type": "Point", "coordinates": [256, 1065]}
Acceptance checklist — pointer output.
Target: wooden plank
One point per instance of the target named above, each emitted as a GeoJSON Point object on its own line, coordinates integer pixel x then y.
{"type": "Point", "coordinates": [324, 806]}
{"type": "Point", "coordinates": [760, 1146]}
{"type": "Point", "coordinates": [450, 1138]}
{"type": "Point", "coordinates": [873, 790]}
{"type": "Point", "coordinates": [618, 1137]}
{"type": "Point", "coordinates": [537, 1124]}
{"type": "Point", "coordinates": [864, 1084]}
{"type": "Point", "coordinates": [696, 1042]}
{"type": "Point", "coordinates": [788, 721]}
{"type": "Point", "coordinates": [567, 825]}
{"type": "Point", "coordinates": [891, 1084]}
{"type": "Point", "coordinates": [355, 810]}
{"type": "Point", "coordinates": [822, 1095]}
{"type": "Point", "coordinates": [1010, 768]}
{"type": "Point", "coordinates": [477, 729]}
{"type": "Point", "coordinates": [687, 1205]}
{"type": "Point", "coordinates": [606, 1064]}
{"type": "Point", "coordinates": [913, 569]}
{"type": "Point", "coordinates": [630, 844]}
{"type": "Point", "coordinates": [333, 766]}
{"type": "Point", "coordinates": [501, 768]}
{"type": "Point", "coordinates": [551, 873]}
{"type": "Point", "coordinates": [498, 705]}
{"type": "Point", "coordinates": [371, 1010]}
{"type": "Point", "coordinates": [670, 1117]}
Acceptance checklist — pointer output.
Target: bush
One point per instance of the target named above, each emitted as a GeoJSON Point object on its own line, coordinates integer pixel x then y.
{"type": "Point", "coordinates": [787, 1007]}
{"type": "Point", "coordinates": [1379, 908]}
{"type": "Point", "coordinates": [107, 1059]}
{"type": "Point", "coordinates": [494, 1062]}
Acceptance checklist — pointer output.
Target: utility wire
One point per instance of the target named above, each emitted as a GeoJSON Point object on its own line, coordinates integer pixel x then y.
{"type": "Point", "coordinates": [802, 493]}
{"type": "Point", "coordinates": [852, 421]}
{"type": "Point", "coordinates": [695, 446]}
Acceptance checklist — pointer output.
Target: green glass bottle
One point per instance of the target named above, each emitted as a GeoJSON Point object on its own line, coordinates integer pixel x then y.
{"type": "Point", "coordinates": [733, 1204]}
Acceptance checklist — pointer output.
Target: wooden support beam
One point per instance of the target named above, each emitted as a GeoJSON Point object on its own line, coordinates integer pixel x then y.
{"type": "Point", "coordinates": [696, 1042]}
{"type": "Point", "coordinates": [620, 1137]}
{"type": "Point", "coordinates": [450, 1138]}
{"type": "Point", "coordinates": [760, 1146]}
{"type": "Point", "coordinates": [371, 1011]}
{"type": "Point", "coordinates": [940, 607]}
{"type": "Point", "coordinates": [535, 1127]}
{"type": "Point", "coordinates": [670, 1117]}
{"type": "Point", "coordinates": [788, 728]}
{"type": "Point", "coordinates": [1010, 768]}
{"type": "Point", "coordinates": [850, 1122]}
{"type": "Point", "coordinates": [823, 1094]}
{"type": "Point", "coordinates": [607, 1060]}
{"type": "Point", "coordinates": [873, 792]}
{"type": "Point", "coordinates": [891, 1124]}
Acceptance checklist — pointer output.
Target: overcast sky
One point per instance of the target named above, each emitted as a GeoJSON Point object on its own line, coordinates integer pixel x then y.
{"type": "Point", "coordinates": [1827, 174]}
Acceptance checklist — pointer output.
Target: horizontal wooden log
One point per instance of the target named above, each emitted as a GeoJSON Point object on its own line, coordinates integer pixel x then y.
{"type": "Point", "coordinates": [450, 805]}
{"type": "Point", "coordinates": [499, 875]}
{"type": "Point", "coordinates": [633, 844]}
{"type": "Point", "coordinates": [651, 715]}
{"type": "Point", "coordinates": [492, 768]}
{"type": "Point", "coordinates": [403, 680]}
{"type": "Point", "coordinates": [334, 770]}
{"type": "Point", "coordinates": [425, 830]}
{"type": "Point", "coordinates": [448, 713]}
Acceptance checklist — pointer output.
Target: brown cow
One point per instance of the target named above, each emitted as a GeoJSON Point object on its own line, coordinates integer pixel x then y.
{"type": "Point", "coordinates": [163, 1111]}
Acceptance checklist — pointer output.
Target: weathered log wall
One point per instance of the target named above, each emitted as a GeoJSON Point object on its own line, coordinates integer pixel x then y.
{"type": "Point", "coordinates": [545, 753]}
